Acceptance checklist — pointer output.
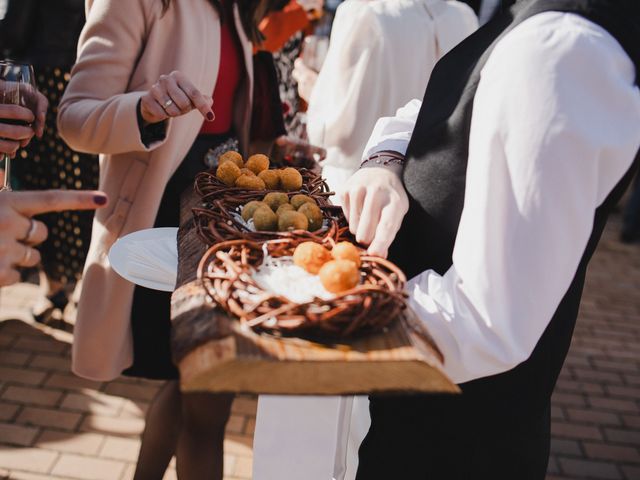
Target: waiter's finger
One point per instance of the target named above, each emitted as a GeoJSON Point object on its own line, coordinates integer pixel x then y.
{"type": "Point", "coordinates": [344, 201]}
{"type": "Point", "coordinates": [368, 219]}
{"type": "Point", "coordinates": [386, 231]}
{"type": "Point", "coordinates": [355, 207]}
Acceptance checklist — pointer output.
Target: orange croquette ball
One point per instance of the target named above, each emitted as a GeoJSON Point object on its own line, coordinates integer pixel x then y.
{"type": "Point", "coordinates": [249, 182]}
{"type": "Point", "coordinates": [228, 172]}
{"type": "Point", "coordinates": [231, 156]}
{"type": "Point", "coordinates": [311, 256]}
{"type": "Point", "coordinates": [270, 178]}
{"type": "Point", "coordinates": [246, 171]}
{"type": "Point", "coordinates": [290, 179]}
{"type": "Point", "coordinates": [257, 163]}
{"type": "Point", "coordinates": [346, 251]}
{"type": "Point", "coordinates": [339, 275]}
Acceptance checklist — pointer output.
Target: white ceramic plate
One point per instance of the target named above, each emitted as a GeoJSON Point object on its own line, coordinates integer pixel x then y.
{"type": "Point", "coordinates": [148, 258]}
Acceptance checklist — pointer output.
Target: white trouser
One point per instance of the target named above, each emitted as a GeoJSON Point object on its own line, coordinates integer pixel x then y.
{"type": "Point", "coordinates": [315, 438]}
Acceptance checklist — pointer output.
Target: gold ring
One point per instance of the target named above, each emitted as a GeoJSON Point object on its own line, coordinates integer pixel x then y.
{"type": "Point", "coordinates": [32, 229]}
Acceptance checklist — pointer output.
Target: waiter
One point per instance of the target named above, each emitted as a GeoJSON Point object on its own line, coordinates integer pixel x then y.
{"type": "Point", "coordinates": [527, 136]}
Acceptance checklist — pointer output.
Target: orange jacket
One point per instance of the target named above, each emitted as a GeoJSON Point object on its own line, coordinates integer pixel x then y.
{"type": "Point", "coordinates": [280, 26]}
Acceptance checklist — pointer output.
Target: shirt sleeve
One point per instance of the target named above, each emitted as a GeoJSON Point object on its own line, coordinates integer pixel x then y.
{"type": "Point", "coordinates": [341, 100]}
{"type": "Point", "coordinates": [394, 133]}
{"type": "Point", "coordinates": [550, 138]}
{"type": "Point", "coordinates": [97, 114]}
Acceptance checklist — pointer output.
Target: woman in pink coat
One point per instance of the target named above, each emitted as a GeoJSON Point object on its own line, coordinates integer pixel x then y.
{"type": "Point", "coordinates": [149, 77]}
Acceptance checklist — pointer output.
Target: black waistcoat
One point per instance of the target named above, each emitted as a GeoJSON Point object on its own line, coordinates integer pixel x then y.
{"type": "Point", "coordinates": [499, 427]}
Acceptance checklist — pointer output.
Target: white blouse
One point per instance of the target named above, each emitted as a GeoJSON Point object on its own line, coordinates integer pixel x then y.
{"type": "Point", "coordinates": [555, 125]}
{"type": "Point", "coordinates": [370, 71]}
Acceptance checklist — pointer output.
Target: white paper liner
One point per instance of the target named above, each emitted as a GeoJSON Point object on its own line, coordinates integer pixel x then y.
{"type": "Point", "coordinates": [281, 277]}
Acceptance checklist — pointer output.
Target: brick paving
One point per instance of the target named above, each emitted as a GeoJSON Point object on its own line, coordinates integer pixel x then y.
{"type": "Point", "coordinates": [56, 426]}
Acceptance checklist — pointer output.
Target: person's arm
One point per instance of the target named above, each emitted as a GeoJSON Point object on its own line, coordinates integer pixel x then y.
{"type": "Point", "coordinates": [550, 138]}
{"type": "Point", "coordinates": [375, 200]}
{"type": "Point", "coordinates": [343, 103]}
{"type": "Point", "coordinates": [95, 114]}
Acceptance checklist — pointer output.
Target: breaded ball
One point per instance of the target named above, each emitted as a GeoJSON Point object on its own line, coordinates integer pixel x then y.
{"type": "Point", "coordinates": [298, 200]}
{"type": "Point", "coordinates": [270, 178]}
{"type": "Point", "coordinates": [246, 171]}
{"type": "Point", "coordinates": [231, 156]}
{"type": "Point", "coordinates": [285, 207]}
{"type": "Point", "coordinates": [249, 182]}
{"type": "Point", "coordinates": [339, 275]}
{"type": "Point", "coordinates": [292, 220]}
{"type": "Point", "coordinates": [257, 163]}
{"type": "Point", "coordinates": [275, 199]}
{"type": "Point", "coordinates": [265, 220]}
{"type": "Point", "coordinates": [313, 214]}
{"type": "Point", "coordinates": [311, 256]}
{"type": "Point", "coordinates": [346, 251]}
{"type": "Point", "coordinates": [228, 172]}
{"type": "Point", "coordinates": [290, 179]}
{"type": "Point", "coordinates": [249, 209]}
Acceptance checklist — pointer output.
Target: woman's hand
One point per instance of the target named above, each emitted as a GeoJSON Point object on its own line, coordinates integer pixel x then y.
{"type": "Point", "coordinates": [19, 232]}
{"type": "Point", "coordinates": [306, 79]}
{"type": "Point", "coordinates": [375, 202]}
{"type": "Point", "coordinates": [12, 136]}
{"type": "Point", "coordinates": [174, 95]}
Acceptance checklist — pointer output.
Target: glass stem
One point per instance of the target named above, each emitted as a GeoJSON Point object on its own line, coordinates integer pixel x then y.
{"type": "Point", "coordinates": [7, 173]}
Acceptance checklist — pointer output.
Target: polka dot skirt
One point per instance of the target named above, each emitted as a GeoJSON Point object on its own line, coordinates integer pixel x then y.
{"type": "Point", "coordinates": [49, 163]}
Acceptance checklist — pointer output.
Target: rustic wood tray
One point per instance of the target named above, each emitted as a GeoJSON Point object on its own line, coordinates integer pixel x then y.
{"type": "Point", "coordinates": [215, 353]}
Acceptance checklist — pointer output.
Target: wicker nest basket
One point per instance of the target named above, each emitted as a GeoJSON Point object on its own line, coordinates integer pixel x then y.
{"type": "Point", "coordinates": [227, 268]}
{"type": "Point", "coordinates": [216, 223]}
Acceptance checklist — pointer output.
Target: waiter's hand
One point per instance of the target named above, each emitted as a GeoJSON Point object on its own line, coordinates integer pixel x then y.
{"type": "Point", "coordinates": [174, 95]}
{"type": "Point", "coordinates": [19, 232]}
{"type": "Point", "coordinates": [306, 79]}
{"type": "Point", "coordinates": [375, 202]}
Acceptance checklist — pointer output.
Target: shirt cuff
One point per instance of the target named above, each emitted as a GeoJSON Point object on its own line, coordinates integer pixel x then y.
{"type": "Point", "coordinates": [152, 133]}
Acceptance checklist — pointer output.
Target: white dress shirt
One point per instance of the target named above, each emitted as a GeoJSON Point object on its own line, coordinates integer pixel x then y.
{"type": "Point", "coordinates": [555, 125]}
{"type": "Point", "coordinates": [371, 70]}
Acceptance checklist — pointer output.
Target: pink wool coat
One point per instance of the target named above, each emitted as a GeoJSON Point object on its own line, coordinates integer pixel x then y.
{"type": "Point", "coordinates": [124, 48]}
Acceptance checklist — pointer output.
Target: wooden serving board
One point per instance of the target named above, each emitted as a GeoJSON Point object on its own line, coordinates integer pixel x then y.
{"type": "Point", "coordinates": [215, 353]}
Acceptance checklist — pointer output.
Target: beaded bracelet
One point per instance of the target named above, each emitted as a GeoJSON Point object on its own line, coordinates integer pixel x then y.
{"type": "Point", "coordinates": [384, 159]}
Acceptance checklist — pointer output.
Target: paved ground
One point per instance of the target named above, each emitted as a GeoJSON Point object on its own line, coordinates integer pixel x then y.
{"type": "Point", "coordinates": [56, 426]}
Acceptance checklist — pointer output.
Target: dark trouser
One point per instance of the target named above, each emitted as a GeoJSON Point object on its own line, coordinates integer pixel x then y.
{"type": "Point", "coordinates": [631, 218]}
{"type": "Point", "coordinates": [453, 438]}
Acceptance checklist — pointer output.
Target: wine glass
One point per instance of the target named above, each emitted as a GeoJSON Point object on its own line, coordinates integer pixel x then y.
{"type": "Point", "coordinates": [17, 87]}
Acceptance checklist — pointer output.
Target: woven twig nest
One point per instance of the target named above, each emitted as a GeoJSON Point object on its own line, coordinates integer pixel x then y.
{"type": "Point", "coordinates": [227, 271]}
{"type": "Point", "coordinates": [216, 221]}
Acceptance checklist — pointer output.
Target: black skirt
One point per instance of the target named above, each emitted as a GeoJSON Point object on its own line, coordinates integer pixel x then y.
{"type": "Point", "coordinates": [150, 313]}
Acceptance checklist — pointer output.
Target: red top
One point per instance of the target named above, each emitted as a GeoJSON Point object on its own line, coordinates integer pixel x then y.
{"type": "Point", "coordinates": [229, 76]}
